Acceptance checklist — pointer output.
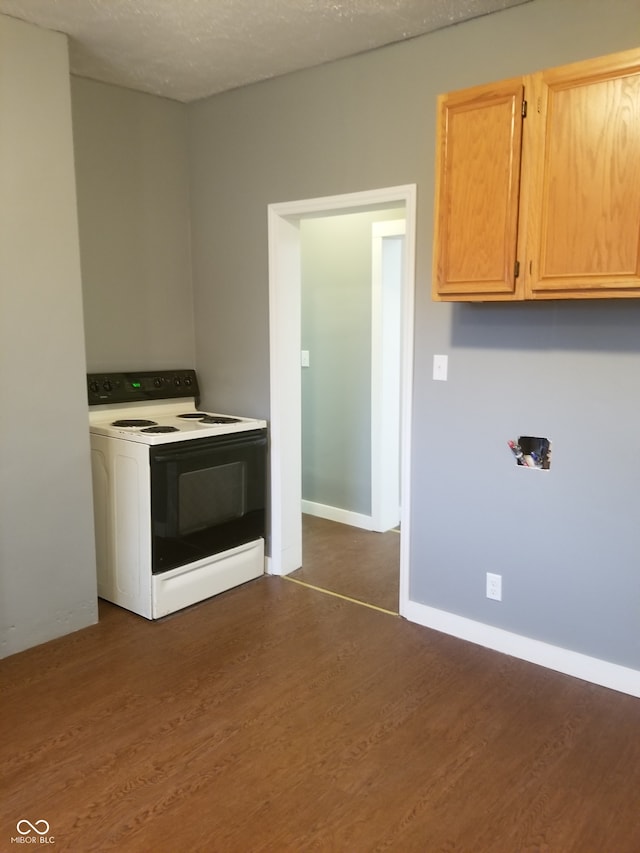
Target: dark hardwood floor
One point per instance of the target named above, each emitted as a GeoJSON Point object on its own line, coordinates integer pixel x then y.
{"type": "Point", "coordinates": [349, 561]}
{"type": "Point", "coordinates": [275, 718]}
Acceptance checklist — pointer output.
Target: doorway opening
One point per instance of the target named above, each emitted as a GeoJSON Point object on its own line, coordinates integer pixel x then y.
{"type": "Point", "coordinates": [285, 346]}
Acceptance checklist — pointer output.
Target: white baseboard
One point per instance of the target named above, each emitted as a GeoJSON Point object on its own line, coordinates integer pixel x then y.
{"type": "Point", "coordinates": [597, 671]}
{"type": "Point", "coordinates": [334, 513]}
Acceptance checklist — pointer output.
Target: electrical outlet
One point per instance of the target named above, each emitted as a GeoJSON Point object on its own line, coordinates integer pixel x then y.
{"type": "Point", "coordinates": [494, 586]}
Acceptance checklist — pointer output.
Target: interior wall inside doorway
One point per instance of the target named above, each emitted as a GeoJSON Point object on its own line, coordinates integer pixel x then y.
{"type": "Point", "coordinates": [336, 331]}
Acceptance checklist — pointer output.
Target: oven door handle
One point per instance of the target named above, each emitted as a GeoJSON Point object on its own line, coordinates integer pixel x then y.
{"type": "Point", "coordinates": [202, 445]}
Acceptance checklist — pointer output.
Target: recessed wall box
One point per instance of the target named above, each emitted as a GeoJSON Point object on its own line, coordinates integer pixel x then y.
{"type": "Point", "coordinates": [532, 452]}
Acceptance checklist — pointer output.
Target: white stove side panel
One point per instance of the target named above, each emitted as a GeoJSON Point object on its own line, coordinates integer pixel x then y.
{"type": "Point", "coordinates": [122, 512]}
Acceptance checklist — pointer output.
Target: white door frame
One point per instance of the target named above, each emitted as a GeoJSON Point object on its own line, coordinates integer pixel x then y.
{"type": "Point", "coordinates": [386, 377]}
{"type": "Point", "coordinates": [284, 349]}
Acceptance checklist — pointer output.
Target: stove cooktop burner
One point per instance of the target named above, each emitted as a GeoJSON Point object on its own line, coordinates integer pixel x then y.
{"type": "Point", "coordinates": [133, 422]}
{"type": "Point", "coordinates": [205, 418]}
{"type": "Point", "coordinates": [160, 429]}
{"type": "Point", "coordinates": [218, 419]}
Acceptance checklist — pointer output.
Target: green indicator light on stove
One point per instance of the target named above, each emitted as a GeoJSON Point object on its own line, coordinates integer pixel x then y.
{"type": "Point", "coordinates": [136, 384]}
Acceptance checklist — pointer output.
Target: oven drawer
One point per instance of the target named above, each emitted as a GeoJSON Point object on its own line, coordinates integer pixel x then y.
{"type": "Point", "coordinates": [187, 585]}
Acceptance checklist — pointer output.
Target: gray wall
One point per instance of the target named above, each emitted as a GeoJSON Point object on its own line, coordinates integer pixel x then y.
{"type": "Point", "coordinates": [47, 562]}
{"type": "Point", "coordinates": [565, 541]}
{"type": "Point", "coordinates": [336, 329]}
{"type": "Point", "coordinates": [133, 211]}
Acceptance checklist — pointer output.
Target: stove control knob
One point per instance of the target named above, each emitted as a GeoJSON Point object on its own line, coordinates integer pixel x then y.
{"type": "Point", "coordinates": [158, 382]}
{"type": "Point", "coordinates": [177, 381]}
{"type": "Point", "coordinates": [107, 385]}
{"type": "Point", "coordinates": [187, 381]}
{"type": "Point", "coordinates": [94, 386]}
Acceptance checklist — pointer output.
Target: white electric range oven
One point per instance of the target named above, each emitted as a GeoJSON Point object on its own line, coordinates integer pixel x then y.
{"type": "Point", "coordinates": [179, 494]}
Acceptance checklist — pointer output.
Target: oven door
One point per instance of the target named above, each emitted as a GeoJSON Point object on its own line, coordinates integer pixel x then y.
{"type": "Point", "coordinates": [207, 496]}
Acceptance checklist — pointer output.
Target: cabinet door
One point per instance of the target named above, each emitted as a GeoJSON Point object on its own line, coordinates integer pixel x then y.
{"type": "Point", "coordinates": [477, 186]}
{"type": "Point", "coordinates": [584, 230]}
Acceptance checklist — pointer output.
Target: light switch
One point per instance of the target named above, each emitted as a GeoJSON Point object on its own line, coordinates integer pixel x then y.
{"type": "Point", "coordinates": [304, 358]}
{"type": "Point", "coordinates": [440, 364]}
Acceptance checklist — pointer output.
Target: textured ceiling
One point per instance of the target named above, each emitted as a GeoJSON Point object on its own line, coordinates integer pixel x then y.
{"type": "Point", "coordinates": [189, 49]}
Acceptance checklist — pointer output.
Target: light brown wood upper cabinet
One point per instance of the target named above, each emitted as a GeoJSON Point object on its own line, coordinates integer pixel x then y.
{"type": "Point", "coordinates": [538, 186]}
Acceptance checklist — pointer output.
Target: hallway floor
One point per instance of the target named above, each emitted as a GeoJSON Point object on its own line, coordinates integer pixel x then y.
{"type": "Point", "coordinates": [351, 562]}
